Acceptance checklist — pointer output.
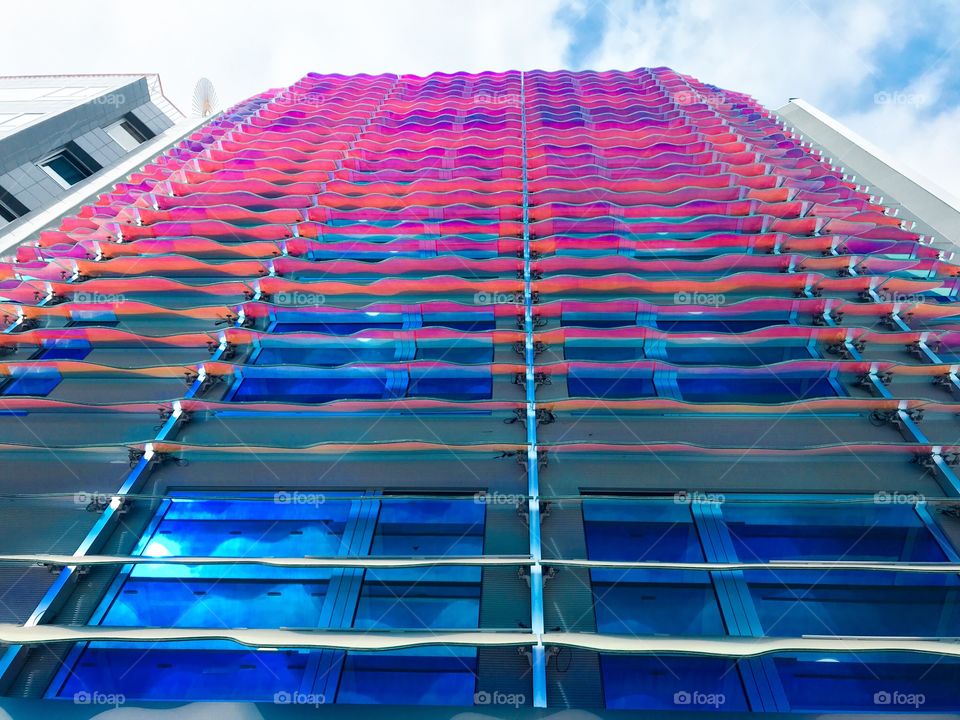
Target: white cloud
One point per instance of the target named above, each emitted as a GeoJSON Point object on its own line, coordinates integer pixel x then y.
{"type": "Point", "coordinates": [822, 51]}
{"type": "Point", "coordinates": [247, 47]}
{"type": "Point", "coordinates": [912, 126]}
{"type": "Point", "coordinates": [770, 50]}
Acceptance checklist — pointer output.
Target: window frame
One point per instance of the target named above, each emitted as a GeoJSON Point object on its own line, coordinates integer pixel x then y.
{"type": "Point", "coordinates": [125, 126]}
{"type": "Point", "coordinates": [72, 158]}
{"type": "Point", "coordinates": [365, 507]}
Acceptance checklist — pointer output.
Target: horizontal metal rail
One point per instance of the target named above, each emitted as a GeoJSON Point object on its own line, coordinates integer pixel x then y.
{"type": "Point", "coordinates": [733, 647]}
{"type": "Point", "coordinates": [341, 561]}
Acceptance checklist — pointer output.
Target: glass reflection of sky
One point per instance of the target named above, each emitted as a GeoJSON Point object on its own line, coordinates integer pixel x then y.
{"type": "Point", "coordinates": [261, 596]}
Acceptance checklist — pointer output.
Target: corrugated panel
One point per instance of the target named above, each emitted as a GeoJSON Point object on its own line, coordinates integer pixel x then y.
{"type": "Point", "coordinates": [42, 663]}
{"type": "Point", "coordinates": [503, 672]}
{"type": "Point", "coordinates": [21, 588]}
{"type": "Point", "coordinates": [567, 597]}
{"type": "Point", "coordinates": [43, 526]}
{"type": "Point", "coordinates": [573, 679]}
{"type": "Point", "coordinates": [505, 599]}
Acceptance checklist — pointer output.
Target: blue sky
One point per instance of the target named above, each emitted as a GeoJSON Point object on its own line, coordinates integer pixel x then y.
{"type": "Point", "coordinates": [889, 69]}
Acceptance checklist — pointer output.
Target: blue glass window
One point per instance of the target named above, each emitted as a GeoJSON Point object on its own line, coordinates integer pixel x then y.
{"type": "Point", "coordinates": [65, 349]}
{"type": "Point", "coordinates": [376, 351]}
{"type": "Point", "coordinates": [98, 318]}
{"type": "Point", "coordinates": [261, 596]}
{"type": "Point", "coordinates": [34, 381]}
{"type": "Point", "coordinates": [466, 322]}
{"type": "Point", "coordinates": [823, 531]}
{"type": "Point", "coordinates": [843, 602]}
{"type": "Point", "coordinates": [756, 388]}
{"type": "Point", "coordinates": [161, 672]}
{"type": "Point", "coordinates": [65, 168]}
{"type": "Point", "coordinates": [655, 602]}
{"type": "Point", "coordinates": [815, 602]}
{"type": "Point", "coordinates": [718, 324]}
{"type": "Point", "coordinates": [420, 676]}
{"type": "Point", "coordinates": [734, 355]}
{"type": "Point", "coordinates": [646, 602]}
{"type": "Point", "coordinates": [451, 385]}
{"type": "Point", "coordinates": [460, 350]}
{"type": "Point", "coordinates": [219, 596]}
{"type": "Point", "coordinates": [671, 682]}
{"type": "Point", "coordinates": [321, 385]}
{"type": "Point", "coordinates": [654, 530]}
{"type": "Point", "coordinates": [609, 350]}
{"type": "Point", "coordinates": [353, 322]}
{"type": "Point", "coordinates": [594, 320]}
{"type": "Point", "coordinates": [425, 527]}
{"type": "Point", "coordinates": [439, 598]}
{"type": "Point", "coordinates": [324, 356]}
{"type": "Point", "coordinates": [335, 325]}
{"type": "Point", "coordinates": [616, 383]}
{"type": "Point", "coordinates": [904, 683]}
{"type": "Point", "coordinates": [784, 602]}
{"type": "Point", "coordinates": [251, 528]}
{"type": "Point", "coordinates": [418, 598]}
{"type": "Point", "coordinates": [358, 384]}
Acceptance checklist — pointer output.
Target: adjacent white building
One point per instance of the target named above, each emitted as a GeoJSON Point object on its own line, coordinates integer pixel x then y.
{"type": "Point", "coordinates": [56, 131]}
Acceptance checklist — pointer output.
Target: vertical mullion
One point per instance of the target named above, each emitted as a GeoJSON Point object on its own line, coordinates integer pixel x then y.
{"type": "Point", "coordinates": [322, 674]}
{"type": "Point", "coordinates": [538, 658]}
{"type": "Point", "coordinates": [759, 675]}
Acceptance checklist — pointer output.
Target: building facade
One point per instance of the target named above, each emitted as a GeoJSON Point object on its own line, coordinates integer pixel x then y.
{"type": "Point", "coordinates": [58, 130]}
{"type": "Point", "coordinates": [506, 392]}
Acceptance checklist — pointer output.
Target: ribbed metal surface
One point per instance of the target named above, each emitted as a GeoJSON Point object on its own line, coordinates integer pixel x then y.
{"type": "Point", "coordinates": [43, 662]}
{"type": "Point", "coordinates": [503, 672]}
{"type": "Point", "coordinates": [41, 665]}
{"type": "Point", "coordinates": [573, 679]}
